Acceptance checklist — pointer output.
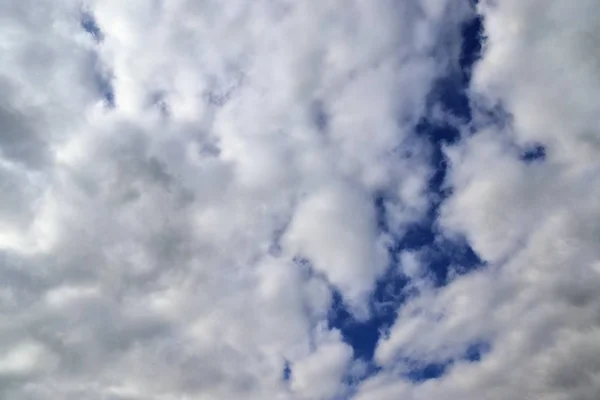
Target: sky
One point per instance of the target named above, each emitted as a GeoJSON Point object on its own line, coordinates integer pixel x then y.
{"type": "Point", "coordinates": [299, 200]}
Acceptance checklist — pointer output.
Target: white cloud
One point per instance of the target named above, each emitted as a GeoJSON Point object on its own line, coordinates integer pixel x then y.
{"type": "Point", "coordinates": [335, 227]}
{"type": "Point", "coordinates": [147, 245]}
{"type": "Point", "coordinates": [317, 376]}
{"type": "Point", "coordinates": [536, 224]}
{"type": "Point", "coordinates": [23, 359]}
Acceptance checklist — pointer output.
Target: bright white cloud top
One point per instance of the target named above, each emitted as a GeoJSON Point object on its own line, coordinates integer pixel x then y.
{"type": "Point", "coordinates": [184, 185]}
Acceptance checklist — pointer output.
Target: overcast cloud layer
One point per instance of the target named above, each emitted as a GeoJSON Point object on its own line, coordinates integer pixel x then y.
{"type": "Point", "coordinates": [185, 184]}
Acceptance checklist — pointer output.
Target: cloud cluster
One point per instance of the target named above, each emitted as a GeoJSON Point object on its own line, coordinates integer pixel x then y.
{"type": "Point", "coordinates": [185, 183]}
{"type": "Point", "coordinates": [534, 220]}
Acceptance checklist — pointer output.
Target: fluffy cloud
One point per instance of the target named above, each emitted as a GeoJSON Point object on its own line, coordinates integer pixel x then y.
{"type": "Point", "coordinates": [336, 228]}
{"type": "Point", "coordinates": [535, 222]}
{"type": "Point", "coordinates": [164, 171]}
{"type": "Point", "coordinates": [185, 184]}
{"type": "Point", "coordinates": [317, 376]}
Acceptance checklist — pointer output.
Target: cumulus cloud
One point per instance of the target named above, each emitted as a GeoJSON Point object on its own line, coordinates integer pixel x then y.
{"type": "Point", "coordinates": [165, 166]}
{"type": "Point", "coordinates": [317, 376]}
{"type": "Point", "coordinates": [336, 228]}
{"type": "Point", "coordinates": [186, 185]}
{"type": "Point", "coordinates": [533, 220]}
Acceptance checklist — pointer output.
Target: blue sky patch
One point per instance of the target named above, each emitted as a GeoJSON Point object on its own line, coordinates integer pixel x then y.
{"type": "Point", "coordinates": [287, 371]}
{"type": "Point", "coordinates": [426, 372]}
{"type": "Point", "coordinates": [88, 23]}
{"type": "Point", "coordinates": [423, 371]}
{"type": "Point", "coordinates": [534, 153]}
{"type": "Point", "coordinates": [441, 255]}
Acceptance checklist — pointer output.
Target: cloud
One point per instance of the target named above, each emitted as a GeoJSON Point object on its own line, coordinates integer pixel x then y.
{"type": "Point", "coordinates": [336, 228]}
{"type": "Point", "coordinates": [318, 375]}
{"type": "Point", "coordinates": [167, 163]}
{"type": "Point", "coordinates": [534, 223]}
{"type": "Point", "coordinates": [187, 184]}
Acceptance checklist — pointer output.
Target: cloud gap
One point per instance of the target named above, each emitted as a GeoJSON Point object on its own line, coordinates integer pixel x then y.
{"type": "Point", "coordinates": [89, 24]}
{"type": "Point", "coordinates": [424, 373]}
{"type": "Point", "coordinates": [473, 38]}
{"type": "Point", "coordinates": [419, 372]}
{"type": "Point", "coordinates": [534, 153]}
{"type": "Point", "coordinates": [107, 91]}
{"type": "Point", "coordinates": [287, 371]}
{"type": "Point", "coordinates": [440, 254]}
